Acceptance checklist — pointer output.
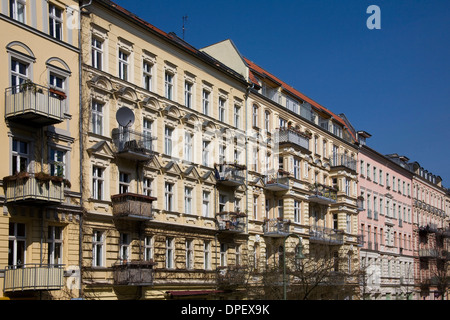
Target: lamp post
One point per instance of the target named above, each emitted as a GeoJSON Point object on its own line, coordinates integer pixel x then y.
{"type": "Point", "coordinates": [299, 255]}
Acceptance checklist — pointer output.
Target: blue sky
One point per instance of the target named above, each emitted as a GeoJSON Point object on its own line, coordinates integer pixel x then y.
{"type": "Point", "coordinates": [393, 82]}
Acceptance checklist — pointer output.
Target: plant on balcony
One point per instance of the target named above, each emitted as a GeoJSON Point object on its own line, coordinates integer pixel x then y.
{"type": "Point", "coordinates": [59, 94]}
{"type": "Point", "coordinates": [43, 177]}
{"type": "Point", "coordinates": [17, 176]}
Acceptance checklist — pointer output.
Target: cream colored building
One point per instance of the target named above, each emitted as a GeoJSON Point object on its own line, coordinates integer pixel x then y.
{"type": "Point", "coordinates": [301, 175]}
{"type": "Point", "coordinates": [39, 223]}
{"type": "Point", "coordinates": [157, 116]}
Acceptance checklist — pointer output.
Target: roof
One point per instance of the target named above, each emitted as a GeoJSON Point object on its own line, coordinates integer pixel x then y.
{"type": "Point", "coordinates": [254, 68]}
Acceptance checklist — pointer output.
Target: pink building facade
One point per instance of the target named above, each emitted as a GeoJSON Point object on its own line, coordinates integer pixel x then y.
{"type": "Point", "coordinates": [386, 222]}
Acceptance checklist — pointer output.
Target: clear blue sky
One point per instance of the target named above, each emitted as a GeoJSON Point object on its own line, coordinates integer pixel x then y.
{"type": "Point", "coordinates": [393, 82]}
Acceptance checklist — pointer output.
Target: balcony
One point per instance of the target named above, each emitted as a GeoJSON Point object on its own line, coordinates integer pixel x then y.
{"type": "Point", "coordinates": [322, 194]}
{"type": "Point", "coordinates": [31, 104]}
{"type": "Point", "coordinates": [276, 227]}
{"type": "Point", "coordinates": [231, 221]}
{"type": "Point", "coordinates": [33, 189]}
{"type": "Point", "coordinates": [324, 235]}
{"type": "Point", "coordinates": [134, 273]}
{"type": "Point", "coordinates": [230, 174]}
{"type": "Point", "coordinates": [428, 253]}
{"type": "Point", "coordinates": [132, 145]}
{"type": "Point", "coordinates": [30, 277]}
{"type": "Point", "coordinates": [292, 137]}
{"type": "Point", "coordinates": [277, 182]}
{"type": "Point", "coordinates": [340, 160]}
{"type": "Point", "coordinates": [132, 206]}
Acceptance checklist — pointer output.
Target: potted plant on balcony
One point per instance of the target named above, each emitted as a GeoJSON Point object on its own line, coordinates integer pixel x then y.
{"type": "Point", "coordinates": [17, 176]}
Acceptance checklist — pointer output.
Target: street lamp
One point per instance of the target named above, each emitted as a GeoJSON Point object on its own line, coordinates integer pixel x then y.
{"type": "Point", "coordinates": [299, 255]}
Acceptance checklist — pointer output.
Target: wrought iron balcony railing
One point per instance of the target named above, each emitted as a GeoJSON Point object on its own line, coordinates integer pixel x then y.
{"type": "Point", "coordinates": [277, 182]}
{"type": "Point", "coordinates": [318, 234]}
{"type": "Point", "coordinates": [292, 136]}
{"type": "Point", "coordinates": [231, 221]}
{"type": "Point", "coordinates": [231, 276]}
{"type": "Point", "coordinates": [132, 145]}
{"type": "Point", "coordinates": [322, 194]}
{"type": "Point", "coordinates": [134, 273]}
{"type": "Point", "coordinates": [343, 160]}
{"type": "Point", "coordinates": [34, 105]}
{"type": "Point", "coordinates": [230, 174]}
{"type": "Point", "coordinates": [276, 227]}
{"type": "Point", "coordinates": [132, 206]}
{"type": "Point", "coordinates": [33, 277]}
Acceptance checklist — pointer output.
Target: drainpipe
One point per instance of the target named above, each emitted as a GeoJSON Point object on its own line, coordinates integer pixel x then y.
{"type": "Point", "coordinates": [246, 150]}
{"type": "Point", "coordinates": [80, 102]}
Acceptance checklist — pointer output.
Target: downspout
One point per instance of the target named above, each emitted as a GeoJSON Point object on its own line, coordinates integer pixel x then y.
{"type": "Point", "coordinates": [80, 113]}
{"type": "Point", "coordinates": [246, 150]}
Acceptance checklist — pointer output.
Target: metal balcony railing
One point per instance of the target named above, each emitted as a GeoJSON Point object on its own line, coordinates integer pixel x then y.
{"type": "Point", "coordinates": [132, 145]}
{"type": "Point", "coordinates": [322, 194]}
{"type": "Point", "coordinates": [277, 182]}
{"type": "Point", "coordinates": [34, 104]}
{"type": "Point", "coordinates": [134, 273]}
{"type": "Point", "coordinates": [276, 227]}
{"type": "Point", "coordinates": [231, 221]}
{"type": "Point", "coordinates": [292, 136]}
{"type": "Point", "coordinates": [30, 188]}
{"type": "Point", "coordinates": [343, 160]}
{"type": "Point", "coordinates": [324, 235]}
{"type": "Point", "coordinates": [33, 277]}
{"type": "Point", "coordinates": [230, 174]}
{"type": "Point", "coordinates": [231, 276]}
{"type": "Point", "coordinates": [132, 206]}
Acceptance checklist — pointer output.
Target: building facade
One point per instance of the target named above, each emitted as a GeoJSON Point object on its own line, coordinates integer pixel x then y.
{"type": "Point", "coordinates": [39, 224]}
{"type": "Point", "coordinates": [386, 221]}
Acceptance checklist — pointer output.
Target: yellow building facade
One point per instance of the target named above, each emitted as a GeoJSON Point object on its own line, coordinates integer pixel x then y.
{"type": "Point", "coordinates": [39, 224]}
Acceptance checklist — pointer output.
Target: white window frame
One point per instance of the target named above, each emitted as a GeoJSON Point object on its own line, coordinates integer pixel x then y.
{"type": "Point", "coordinates": [206, 95]}
{"type": "Point", "coordinates": [18, 155]}
{"type": "Point", "coordinates": [206, 200]}
{"type": "Point", "coordinates": [98, 183]}
{"type": "Point", "coordinates": [17, 241]}
{"type": "Point", "coordinates": [188, 146]}
{"type": "Point", "coordinates": [207, 255]}
{"type": "Point", "coordinates": [97, 52]}
{"type": "Point", "coordinates": [188, 200]}
{"type": "Point", "coordinates": [97, 117]}
{"type": "Point", "coordinates": [188, 86]}
{"type": "Point", "coordinates": [148, 248]}
{"type": "Point", "coordinates": [98, 247]}
{"type": "Point", "coordinates": [189, 254]}
{"type": "Point", "coordinates": [148, 183]}
{"type": "Point", "coordinates": [124, 247]}
{"type": "Point", "coordinates": [57, 162]}
{"type": "Point", "coordinates": [123, 66]}
{"type": "Point", "coordinates": [147, 75]}
{"type": "Point", "coordinates": [169, 196]}
{"type": "Point", "coordinates": [222, 109]}
{"type": "Point", "coordinates": [169, 85]}
{"type": "Point", "coordinates": [18, 10]}
{"type": "Point", "coordinates": [124, 182]}
{"type": "Point", "coordinates": [170, 253]}
{"type": "Point", "coordinates": [168, 140]}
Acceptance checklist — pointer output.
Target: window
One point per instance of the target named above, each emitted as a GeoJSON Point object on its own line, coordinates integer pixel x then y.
{"type": "Point", "coordinates": [170, 253]}
{"type": "Point", "coordinates": [188, 150]}
{"type": "Point", "coordinates": [147, 75]}
{"type": "Point", "coordinates": [97, 53]}
{"type": "Point", "coordinates": [57, 162]}
{"type": "Point", "coordinates": [237, 117]}
{"type": "Point", "coordinates": [205, 153]}
{"type": "Point", "coordinates": [222, 109]}
{"type": "Point", "coordinates": [124, 248]}
{"type": "Point", "coordinates": [207, 255]}
{"type": "Point", "coordinates": [297, 167]}
{"type": "Point", "coordinates": [55, 21]}
{"type": "Point", "coordinates": [97, 248]}
{"type": "Point", "coordinates": [57, 81]}
{"type": "Point", "coordinates": [97, 117]}
{"type": "Point", "coordinates": [205, 102]}
{"type": "Point", "coordinates": [297, 211]}
{"type": "Point", "coordinates": [188, 200]}
{"type": "Point", "coordinates": [205, 205]}
{"type": "Point", "coordinates": [148, 248]}
{"type": "Point", "coordinates": [17, 244]}
{"type": "Point", "coordinates": [148, 186]}
{"type": "Point", "coordinates": [280, 208]}
{"type": "Point", "coordinates": [168, 85]}
{"type": "Point", "coordinates": [147, 133]}
{"type": "Point", "coordinates": [20, 156]}
{"type": "Point", "coordinates": [267, 120]}
{"type": "Point", "coordinates": [97, 183]}
{"type": "Point", "coordinates": [222, 202]}
{"type": "Point", "coordinates": [55, 245]}
{"type": "Point", "coordinates": [124, 182]}
{"type": "Point", "coordinates": [255, 116]}
{"type": "Point", "coordinates": [188, 94]}
{"type": "Point", "coordinates": [189, 254]}
{"type": "Point", "coordinates": [255, 207]}
{"type": "Point", "coordinates": [238, 255]}
{"type": "Point", "coordinates": [168, 141]}
{"type": "Point", "coordinates": [19, 72]}
{"type": "Point", "coordinates": [17, 10]}
{"type": "Point", "coordinates": [169, 196]}
{"type": "Point", "coordinates": [123, 65]}
{"type": "Point", "coordinates": [324, 149]}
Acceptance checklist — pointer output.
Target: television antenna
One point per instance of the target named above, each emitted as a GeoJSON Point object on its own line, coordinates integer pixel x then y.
{"type": "Point", "coordinates": [184, 22]}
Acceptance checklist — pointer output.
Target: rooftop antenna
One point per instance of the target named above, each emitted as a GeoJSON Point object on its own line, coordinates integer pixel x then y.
{"type": "Point", "coordinates": [184, 21]}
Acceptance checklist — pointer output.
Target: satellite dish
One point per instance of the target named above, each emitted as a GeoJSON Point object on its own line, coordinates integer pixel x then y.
{"type": "Point", "coordinates": [125, 116]}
